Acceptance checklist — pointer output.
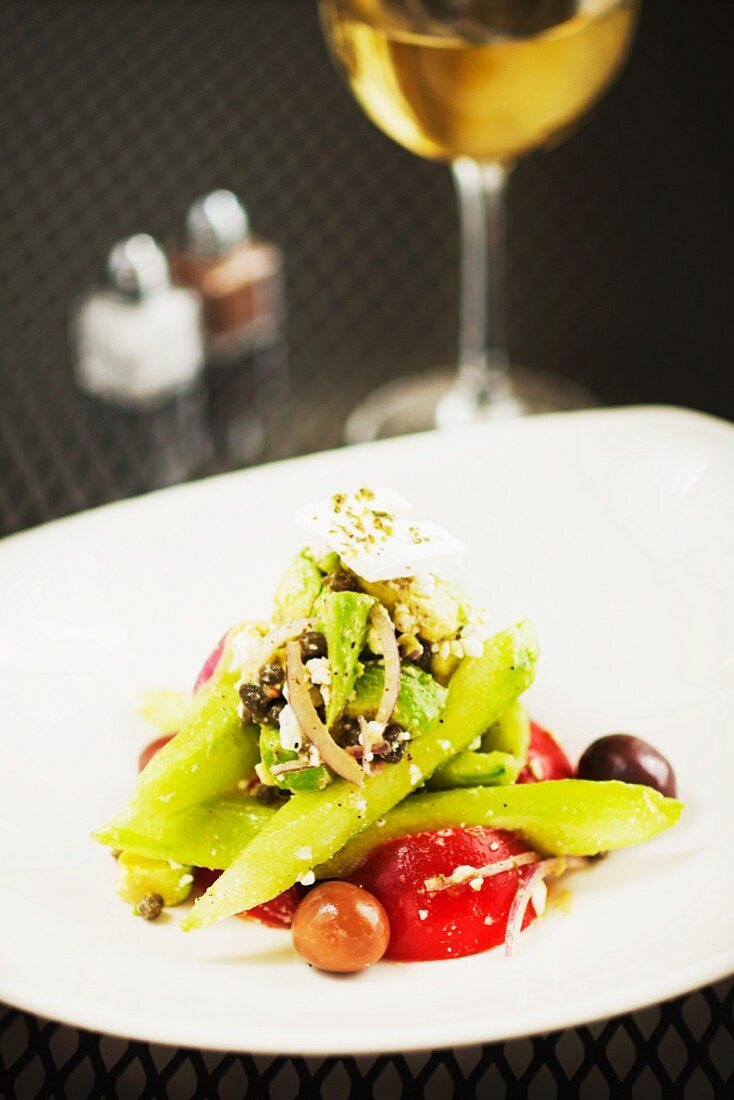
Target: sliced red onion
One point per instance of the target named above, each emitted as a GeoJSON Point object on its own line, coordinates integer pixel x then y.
{"type": "Point", "coordinates": [556, 866]}
{"type": "Point", "coordinates": [386, 635]}
{"type": "Point", "coordinates": [290, 766]}
{"type": "Point", "coordinates": [357, 751]}
{"type": "Point", "coordinates": [445, 882]}
{"type": "Point", "coordinates": [311, 725]}
{"type": "Point", "coordinates": [211, 663]}
{"type": "Point", "coordinates": [273, 640]}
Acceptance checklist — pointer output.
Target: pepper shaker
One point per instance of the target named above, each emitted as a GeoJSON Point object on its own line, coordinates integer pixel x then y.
{"type": "Point", "coordinates": [239, 276]}
{"type": "Point", "coordinates": [240, 280]}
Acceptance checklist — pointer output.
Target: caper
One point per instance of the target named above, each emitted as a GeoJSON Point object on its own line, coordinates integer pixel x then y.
{"type": "Point", "coordinates": [254, 703]}
{"type": "Point", "coordinates": [149, 907]}
{"type": "Point", "coordinates": [312, 644]}
{"type": "Point", "coordinates": [272, 674]}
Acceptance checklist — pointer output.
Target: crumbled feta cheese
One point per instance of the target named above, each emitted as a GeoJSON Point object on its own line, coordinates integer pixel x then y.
{"type": "Point", "coordinates": [370, 734]}
{"type": "Point", "coordinates": [476, 883]}
{"type": "Point", "coordinates": [422, 913]}
{"type": "Point", "coordinates": [319, 672]}
{"type": "Point", "coordinates": [445, 745]}
{"type": "Point", "coordinates": [494, 845]}
{"type": "Point", "coordinates": [476, 744]}
{"type": "Point", "coordinates": [488, 919]}
{"type": "Point", "coordinates": [185, 880]}
{"type": "Point", "coordinates": [374, 535]}
{"type": "Point", "coordinates": [474, 634]}
{"type": "Point", "coordinates": [405, 622]}
{"type": "Point", "coordinates": [539, 897]}
{"type": "Point", "coordinates": [444, 649]}
{"type": "Point", "coordinates": [314, 756]}
{"type": "Point", "coordinates": [424, 584]}
{"type": "Point", "coordinates": [305, 852]}
{"type": "Point", "coordinates": [459, 874]}
{"type": "Point", "coordinates": [536, 768]}
{"type": "Point", "coordinates": [244, 645]}
{"type": "Point", "coordinates": [291, 735]}
{"type": "Point", "coordinates": [307, 878]}
{"type": "Point", "coordinates": [415, 774]}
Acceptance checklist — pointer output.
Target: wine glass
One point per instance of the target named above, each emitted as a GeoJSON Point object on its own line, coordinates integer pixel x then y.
{"type": "Point", "coordinates": [475, 84]}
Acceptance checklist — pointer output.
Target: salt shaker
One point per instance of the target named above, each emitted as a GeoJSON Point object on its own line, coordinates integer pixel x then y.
{"type": "Point", "coordinates": [139, 350]}
{"type": "Point", "coordinates": [139, 340]}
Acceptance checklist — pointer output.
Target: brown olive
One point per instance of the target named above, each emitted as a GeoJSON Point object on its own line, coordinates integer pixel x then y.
{"type": "Point", "coordinates": [340, 927]}
{"type": "Point", "coordinates": [630, 759]}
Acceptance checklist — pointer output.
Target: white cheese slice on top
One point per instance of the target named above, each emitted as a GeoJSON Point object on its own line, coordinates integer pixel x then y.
{"type": "Point", "coordinates": [374, 534]}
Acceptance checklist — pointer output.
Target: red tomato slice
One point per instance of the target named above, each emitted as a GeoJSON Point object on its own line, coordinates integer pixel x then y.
{"type": "Point", "coordinates": [448, 923]}
{"type": "Point", "coordinates": [276, 913]}
{"type": "Point", "coordinates": [546, 758]}
{"type": "Point", "coordinates": [150, 750]}
{"type": "Point", "coordinates": [279, 912]}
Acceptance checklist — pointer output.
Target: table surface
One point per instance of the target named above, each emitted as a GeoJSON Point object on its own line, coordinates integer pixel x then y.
{"type": "Point", "coordinates": [60, 453]}
{"type": "Point", "coordinates": [117, 115]}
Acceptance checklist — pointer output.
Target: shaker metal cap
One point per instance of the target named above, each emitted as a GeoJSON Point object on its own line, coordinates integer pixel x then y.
{"type": "Point", "coordinates": [137, 267]}
{"type": "Point", "coordinates": [216, 223]}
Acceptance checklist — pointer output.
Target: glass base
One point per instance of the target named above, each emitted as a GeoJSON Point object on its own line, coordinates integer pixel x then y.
{"type": "Point", "coordinates": [429, 400]}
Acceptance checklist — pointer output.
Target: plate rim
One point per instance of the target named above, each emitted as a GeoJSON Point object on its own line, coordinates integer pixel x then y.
{"type": "Point", "coordinates": [465, 1032]}
{"type": "Point", "coordinates": [445, 1037]}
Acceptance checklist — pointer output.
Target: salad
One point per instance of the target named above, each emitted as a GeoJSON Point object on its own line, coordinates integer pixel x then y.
{"type": "Point", "coordinates": [361, 767]}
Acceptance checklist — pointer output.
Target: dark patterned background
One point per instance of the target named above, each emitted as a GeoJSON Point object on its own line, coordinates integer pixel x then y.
{"type": "Point", "coordinates": [113, 115]}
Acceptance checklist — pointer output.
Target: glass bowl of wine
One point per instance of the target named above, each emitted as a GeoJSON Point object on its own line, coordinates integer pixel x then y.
{"type": "Point", "coordinates": [475, 84]}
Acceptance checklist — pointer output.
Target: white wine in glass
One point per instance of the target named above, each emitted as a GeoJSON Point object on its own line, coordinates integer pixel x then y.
{"type": "Point", "coordinates": [475, 84]}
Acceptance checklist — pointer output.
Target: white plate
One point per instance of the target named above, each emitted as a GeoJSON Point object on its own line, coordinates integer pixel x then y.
{"type": "Point", "coordinates": [614, 531]}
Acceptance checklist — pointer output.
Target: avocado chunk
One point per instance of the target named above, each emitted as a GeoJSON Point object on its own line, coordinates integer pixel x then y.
{"type": "Point", "coordinates": [140, 877]}
{"type": "Point", "coordinates": [298, 589]}
{"type": "Point", "coordinates": [343, 620]}
{"type": "Point", "coordinates": [510, 733]}
{"type": "Point", "coordinates": [504, 750]}
{"type": "Point", "coordinates": [420, 702]}
{"type": "Point", "coordinates": [273, 753]}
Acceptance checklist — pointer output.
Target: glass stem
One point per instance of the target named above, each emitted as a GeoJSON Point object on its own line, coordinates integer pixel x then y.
{"type": "Point", "coordinates": [483, 358]}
